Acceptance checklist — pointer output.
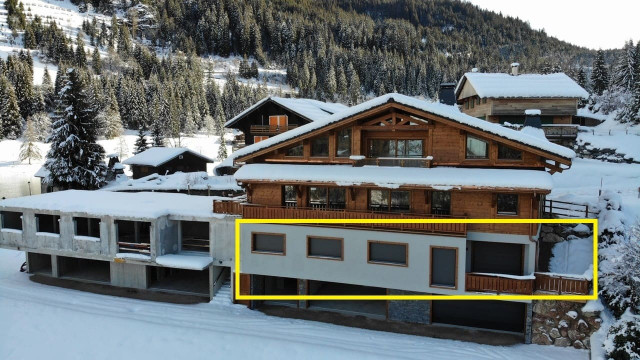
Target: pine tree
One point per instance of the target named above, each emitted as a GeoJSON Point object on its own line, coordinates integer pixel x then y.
{"type": "Point", "coordinates": [10, 119]}
{"type": "Point", "coordinates": [582, 78]}
{"type": "Point", "coordinates": [96, 62]}
{"type": "Point", "coordinates": [631, 111]}
{"type": "Point", "coordinates": [80, 56]}
{"type": "Point", "coordinates": [29, 149]}
{"type": "Point", "coordinates": [23, 85]}
{"type": "Point", "coordinates": [112, 121]}
{"type": "Point", "coordinates": [623, 71]}
{"type": "Point", "coordinates": [342, 84]}
{"type": "Point", "coordinates": [75, 160]}
{"type": "Point", "coordinates": [254, 70]}
{"type": "Point", "coordinates": [141, 142]}
{"type": "Point", "coordinates": [41, 125]}
{"type": "Point", "coordinates": [222, 149]}
{"type": "Point", "coordinates": [600, 75]}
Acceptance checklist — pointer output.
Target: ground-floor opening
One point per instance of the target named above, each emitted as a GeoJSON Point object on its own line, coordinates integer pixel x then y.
{"type": "Point", "coordinates": [369, 308]}
{"type": "Point", "coordinates": [84, 269]}
{"type": "Point", "coordinates": [179, 280]}
{"type": "Point", "coordinates": [274, 285]}
{"type": "Point", "coordinates": [495, 315]}
{"type": "Point", "coordinates": [39, 263]}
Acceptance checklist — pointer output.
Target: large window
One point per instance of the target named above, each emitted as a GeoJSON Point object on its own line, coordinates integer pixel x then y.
{"type": "Point", "coordinates": [395, 148]}
{"type": "Point", "coordinates": [48, 223]}
{"type": "Point", "coordinates": [320, 146]}
{"type": "Point", "coordinates": [278, 120]}
{"type": "Point", "coordinates": [507, 204]}
{"type": "Point", "coordinates": [290, 196]}
{"type": "Point", "coordinates": [11, 220]}
{"type": "Point", "coordinates": [343, 140]}
{"type": "Point", "coordinates": [268, 243]}
{"type": "Point", "coordinates": [325, 248]}
{"type": "Point", "coordinates": [444, 267]}
{"type": "Point", "coordinates": [507, 153]}
{"type": "Point", "coordinates": [477, 148]}
{"type": "Point", "coordinates": [388, 253]}
{"type": "Point", "coordinates": [327, 198]}
{"type": "Point", "coordinates": [389, 200]}
{"type": "Point", "coordinates": [296, 151]}
{"type": "Point", "coordinates": [87, 226]}
{"type": "Point", "coordinates": [441, 202]}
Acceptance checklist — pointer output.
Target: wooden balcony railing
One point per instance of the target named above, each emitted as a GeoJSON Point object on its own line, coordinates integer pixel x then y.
{"type": "Point", "coordinates": [561, 284]}
{"type": "Point", "coordinates": [498, 284]}
{"type": "Point", "coordinates": [279, 212]}
{"type": "Point", "coordinates": [396, 161]}
{"type": "Point", "coordinates": [560, 131]}
{"type": "Point", "coordinates": [227, 207]}
{"type": "Point", "coordinates": [271, 129]}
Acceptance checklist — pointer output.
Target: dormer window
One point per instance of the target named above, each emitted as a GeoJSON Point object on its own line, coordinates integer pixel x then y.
{"type": "Point", "coordinates": [477, 148]}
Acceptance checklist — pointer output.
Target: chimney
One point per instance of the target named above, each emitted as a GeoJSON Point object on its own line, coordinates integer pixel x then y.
{"type": "Point", "coordinates": [447, 95]}
{"type": "Point", "coordinates": [514, 68]}
{"type": "Point", "coordinates": [532, 118]}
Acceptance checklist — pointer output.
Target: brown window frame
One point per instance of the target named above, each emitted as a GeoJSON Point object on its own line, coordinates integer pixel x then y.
{"type": "Point", "coordinates": [341, 258]}
{"type": "Point", "coordinates": [284, 196]}
{"type": "Point", "coordinates": [327, 203]}
{"type": "Point", "coordinates": [337, 140]}
{"type": "Point", "coordinates": [517, 213]}
{"type": "Point", "coordinates": [284, 244]}
{"type": "Point", "coordinates": [388, 209]}
{"type": "Point", "coordinates": [509, 160]}
{"type": "Point", "coordinates": [323, 156]}
{"type": "Point", "coordinates": [466, 139]}
{"type": "Point", "coordinates": [286, 152]}
{"type": "Point", "coordinates": [263, 138]}
{"type": "Point", "coordinates": [277, 120]}
{"type": "Point", "coordinates": [406, 253]}
{"type": "Point", "coordinates": [455, 277]}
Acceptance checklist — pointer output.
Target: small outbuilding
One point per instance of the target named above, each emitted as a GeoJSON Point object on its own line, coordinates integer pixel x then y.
{"type": "Point", "coordinates": [164, 161]}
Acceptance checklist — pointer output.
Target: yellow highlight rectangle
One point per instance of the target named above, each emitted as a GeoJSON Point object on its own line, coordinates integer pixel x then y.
{"type": "Point", "coordinates": [593, 296]}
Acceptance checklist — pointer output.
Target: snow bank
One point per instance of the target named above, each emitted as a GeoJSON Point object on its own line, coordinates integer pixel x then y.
{"type": "Point", "coordinates": [393, 177]}
{"type": "Point", "coordinates": [185, 260]}
{"type": "Point", "coordinates": [101, 203]}
{"type": "Point", "coordinates": [501, 85]}
{"type": "Point", "coordinates": [446, 111]}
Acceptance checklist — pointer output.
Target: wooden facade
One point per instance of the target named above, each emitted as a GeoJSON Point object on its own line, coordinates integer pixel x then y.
{"type": "Point", "coordinates": [185, 162]}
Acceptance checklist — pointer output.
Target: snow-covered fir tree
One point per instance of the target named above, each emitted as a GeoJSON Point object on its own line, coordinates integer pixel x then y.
{"type": "Point", "coordinates": [599, 75]}
{"type": "Point", "coordinates": [41, 125]}
{"type": "Point", "coordinates": [80, 55]}
{"type": "Point", "coordinates": [222, 149]}
{"type": "Point", "coordinates": [10, 119]}
{"type": "Point", "coordinates": [29, 149]}
{"type": "Point", "coordinates": [141, 143]}
{"type": "Point", "coordinates": [624, 67]}
{"type": "Point", "coordinates": [96, 61]}
{"type": "Point", "coordinates": [631, 111]}
{"type": "Point", "coordinates": [111, 118]}
{"type": "Point", "coordinates": [75, 160]}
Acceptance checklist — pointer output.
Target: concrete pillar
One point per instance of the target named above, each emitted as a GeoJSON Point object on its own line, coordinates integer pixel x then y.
{"type": "Point", "coordinates": [129, 275]}
{"type": "Point", "coordinates": [302, 290]}
{"type": "Point", "coordinates": [528, 328]}
{"type": "Point", "coordinates": [54, 266]}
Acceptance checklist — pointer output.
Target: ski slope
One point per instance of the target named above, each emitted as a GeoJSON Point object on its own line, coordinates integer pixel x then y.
{"type": "Point", "coordinates": [39, 321]}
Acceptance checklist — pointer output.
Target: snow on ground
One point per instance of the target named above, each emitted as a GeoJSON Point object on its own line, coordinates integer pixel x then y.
{"type": "Point", "coordinates": [623, 142]}
{"type": "Point", "coordinates": [14, 175]}
{"type": "Point", "coordinates": [39, 321]}
{"type": "Point", "coordinates": [572, 257]}
{"type": "Point", "coordinates": [274, 78]}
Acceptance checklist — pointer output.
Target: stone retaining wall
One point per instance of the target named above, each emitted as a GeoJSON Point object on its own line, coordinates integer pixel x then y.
{"type": "Point", "coordinates": [563, 323]}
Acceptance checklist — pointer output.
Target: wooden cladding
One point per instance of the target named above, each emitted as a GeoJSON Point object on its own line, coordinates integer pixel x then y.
{"type": "Point", "coordinates": [227, 207]}
{"type": "Point", "coordinates": [279, 212]}
{"type": "Point", "coordinates": [498, 284]}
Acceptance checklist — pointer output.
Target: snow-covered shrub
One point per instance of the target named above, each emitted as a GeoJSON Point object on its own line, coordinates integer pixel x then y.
{"type": "Point", "coordinates": [623, 339]}
{"type": "Point", "coordinates": [611, 221]}
{"type": "Point", "coordinates": [620, 275]}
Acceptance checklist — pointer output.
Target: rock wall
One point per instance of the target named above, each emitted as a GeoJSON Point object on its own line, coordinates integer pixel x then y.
{"type": "Point", "coordinates": [586, 151]}
{"type": "Point", "coordinates": [563, 323]}
{"type": "Point", "coordinates": [554, 233]}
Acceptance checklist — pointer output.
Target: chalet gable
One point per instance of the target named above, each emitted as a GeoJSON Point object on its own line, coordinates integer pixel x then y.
{"type": "Point", "coordinates": [389, 112]}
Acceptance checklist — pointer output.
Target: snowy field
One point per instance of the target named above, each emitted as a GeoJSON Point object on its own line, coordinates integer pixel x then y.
{"type": "Point", "coordinates": [39, 321]}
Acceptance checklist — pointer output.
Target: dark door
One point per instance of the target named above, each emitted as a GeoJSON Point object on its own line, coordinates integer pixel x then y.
{"type": "Point", "coordinates": [498, 258]}
{"type": "Point", "coordinates": [495, 315]}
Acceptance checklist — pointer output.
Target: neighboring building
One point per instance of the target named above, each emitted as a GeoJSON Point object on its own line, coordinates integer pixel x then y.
{"type": "Point", "coordinates": [274, 115]}
{"type": "Point", "coordinates": [165, 160]}
{"type": "Point", "coordinates": [503, 98]}
{"type": "Point", "coordinates": [194, 183]}
{"type": "Point", "coordinates": [167, 243]}
{"type": "Point", "coordinates": [398, 157]}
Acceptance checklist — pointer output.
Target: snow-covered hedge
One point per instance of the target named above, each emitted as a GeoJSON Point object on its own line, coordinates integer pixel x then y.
{"type": "Point", "coordinates": [623, 339]}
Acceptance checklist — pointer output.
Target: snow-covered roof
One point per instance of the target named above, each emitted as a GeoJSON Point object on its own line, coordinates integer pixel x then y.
{"type": "Point", "coordinates": [157, 156]}
{"type": "Point", "coordinates": [310, 109]}
{"type": "Point", "coordinates": [176, 182]}
{"type": "Point", "coordinates": [440, 178]}
{"type": "Point", "coordinates": [584, 112]}
{"type": "Point", "coordinates": [500, 85]}
{"type": "Point", "coordinates": [146, 205]}
{"type": "Point", "coordinates": [446, 111]}
{"type": "Point", "coordinates": [42, 172]}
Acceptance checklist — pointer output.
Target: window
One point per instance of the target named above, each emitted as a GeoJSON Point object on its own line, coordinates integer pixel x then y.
{"type": "Point", "coordinates": [326, 248]}
{"type": "Point", "coordinates": [195, 235]}
{"type": "Point", "coordinates": [87, 226]}
{"type": "Point", "coordinates": [444, 267]}
{"type": "Point", "coordinates": [343, 139]}
{"type": "Point", "coordinates": [278, 120]}
{"type": "Point", "coordinates": [48, 223]}
{"type": "Point", "coordinates": [507, 204]}
{"type": "Point", "coordinates": [476, 148]}
{"type": "Point", "coordinates": [297, 151]}
{"type": "Point", "coordinates": [268, 243]}
{"type": "Point", "coordinates": [441, 202]}
{"type": "Point", "coordinates": [389, 200]}
{"type": "Point", "coordinates": [134, 236]}
{"type": "Point", "coordinates": [320, 146]}
{"type": "Point", "coordinates": [327, 198]}
{"type": "Point", "coordinates": [257, 139]}
{"type": "Point", "coordinates": [290, 196]}
{"type": "Point", "coordinates": [395, 148]}
{"type": "Point", "coordinates": [473, 102]}
{"type": "Point", "coordinates": [388, 253]}
{"type": "Point", "coordinates": [466, 104]}
{"type": "Point", "coordinates": [11, 220]}
{"type": "Point", "coordinates": [507, 153]}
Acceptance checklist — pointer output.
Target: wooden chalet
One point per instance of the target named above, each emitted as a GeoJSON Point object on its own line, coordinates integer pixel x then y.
{"type": "Point", "coordinates": [165, 161]}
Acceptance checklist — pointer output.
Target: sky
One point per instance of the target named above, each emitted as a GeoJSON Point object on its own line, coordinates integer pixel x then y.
{"type": "Point", "coordinates": [593, 24]}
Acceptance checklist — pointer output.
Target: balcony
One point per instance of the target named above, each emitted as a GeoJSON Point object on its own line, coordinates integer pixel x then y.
{"type": "Point", "coordinates": [526, 285]}
{"type": "Point", "coordinates": [279, 212]}
{"type": "Point", "coordinates": [396, 161]}
{"type": "Point", "coordinates": [270, 129]}
{"type": "Point", "coordinates": [558, 131]}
